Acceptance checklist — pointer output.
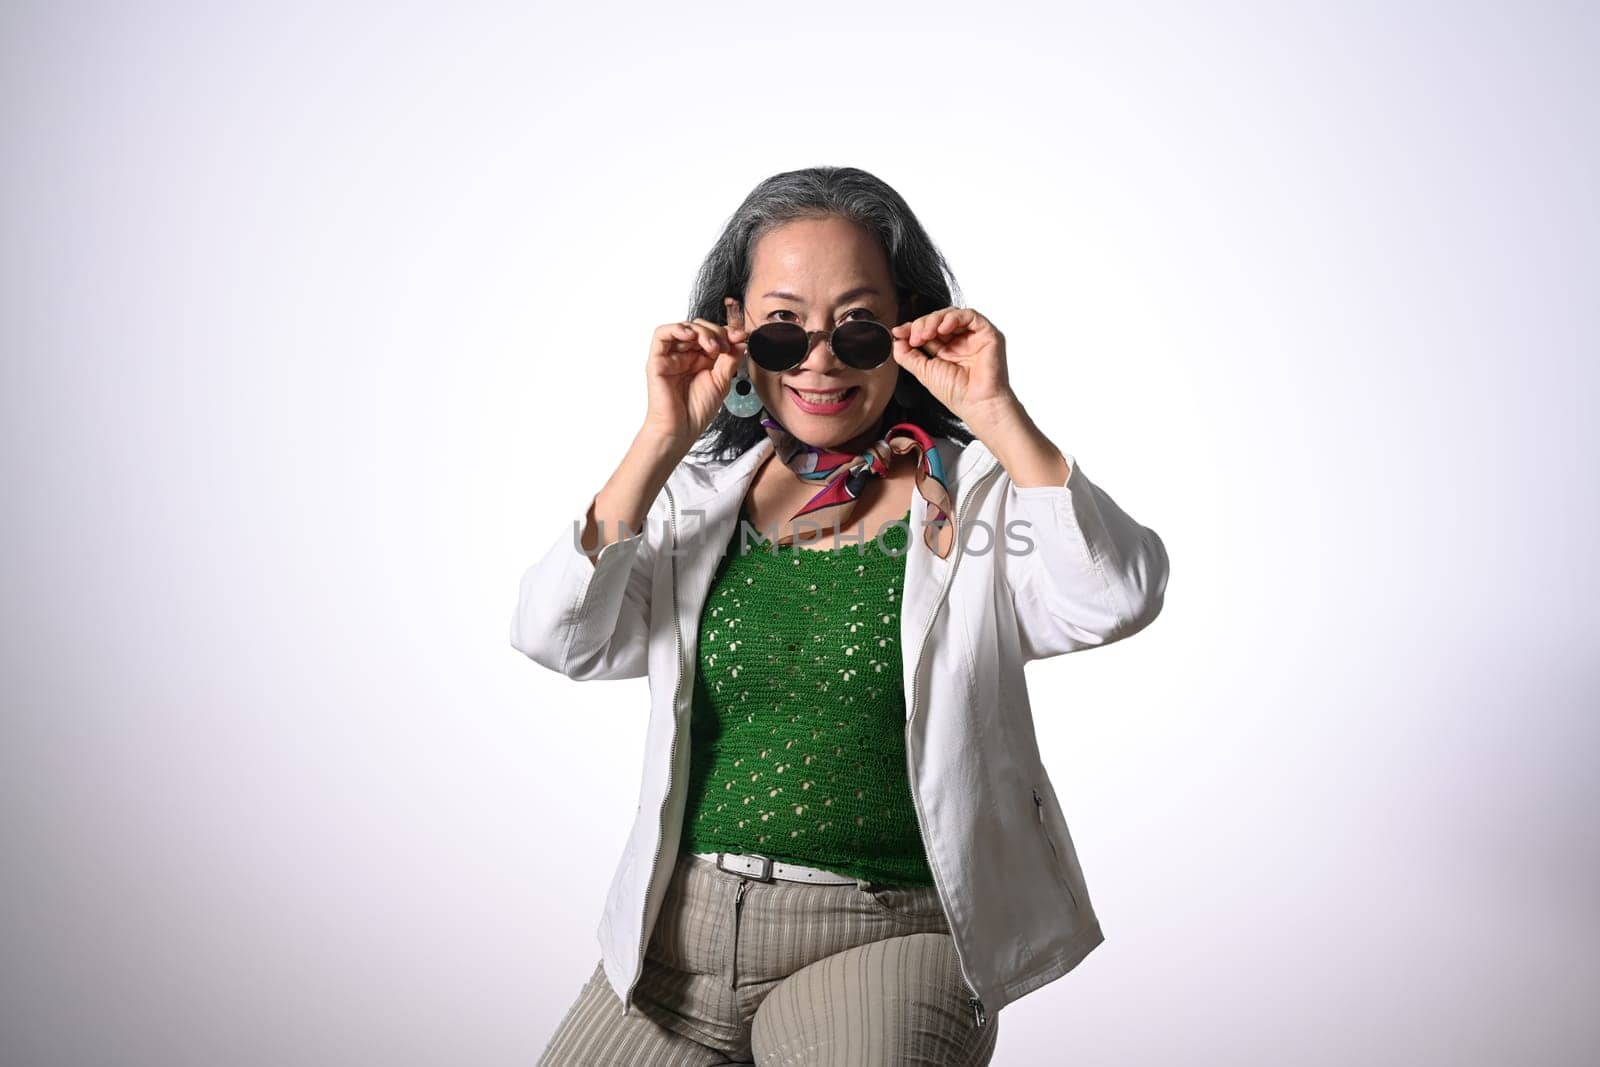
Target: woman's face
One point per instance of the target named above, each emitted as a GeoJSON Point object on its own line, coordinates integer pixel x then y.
{"type": "Point", "coordinates": [819, 273]}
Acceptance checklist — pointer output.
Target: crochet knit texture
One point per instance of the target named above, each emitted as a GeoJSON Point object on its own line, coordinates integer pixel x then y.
{"type": "Point", "coordinates": [798, 724]}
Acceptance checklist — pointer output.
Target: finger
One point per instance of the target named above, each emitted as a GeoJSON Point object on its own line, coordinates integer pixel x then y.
{"type": "Point", "coordinates": [710, 335]}
{"type": "Point", "coordinates": [905, 344]}
{"type": "Point", "coordinates": [726, 337]}
{"type": "Point", "coordinates": [728, 333]}
{"type": "Point", "coordinates": [912, 362]}
{"type": "Point", "coordinates": [693, 344]}
{"type": "Point", "coordinates": [681, 338]}
{"type": "Point", "coordinates": [686, 361]}
{"type": "Point", "coordinates": [673, 331]}
{"type": "Point", "coordinates": [673, 339]}
{"type": "Point", "coordinates": [948, 322]}
{"type": "Point", "coordinates": [726, 366]}
{"type": "Point", "coordinates": [927, 325]}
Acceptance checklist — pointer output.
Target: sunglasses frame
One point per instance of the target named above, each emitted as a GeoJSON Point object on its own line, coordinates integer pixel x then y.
{"type": "Point", "coordinates": [769, 328]}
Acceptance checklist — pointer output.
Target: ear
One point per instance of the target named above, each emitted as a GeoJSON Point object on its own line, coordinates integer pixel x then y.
{"type": "Point", "coordinates": [733, 312]}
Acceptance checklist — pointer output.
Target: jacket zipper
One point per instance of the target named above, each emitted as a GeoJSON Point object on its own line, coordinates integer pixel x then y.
{"type": "Point", "coordinates": [978, 1016]}
{"type": "Point", "coordinates": [1038, 804]}
{"type": "Point", "coordinates": [672, 756]}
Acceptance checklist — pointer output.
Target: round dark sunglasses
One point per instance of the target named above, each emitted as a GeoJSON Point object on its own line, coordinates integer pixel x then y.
{"type": "Point", "coordinates": [859, 343]}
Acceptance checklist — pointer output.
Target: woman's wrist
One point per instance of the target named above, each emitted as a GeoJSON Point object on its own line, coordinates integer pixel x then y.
{"type": "Point", "coordinates": [657, 452]}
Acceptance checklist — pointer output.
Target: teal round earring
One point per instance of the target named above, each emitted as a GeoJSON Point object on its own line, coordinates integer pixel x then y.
{"type": "Point", "coordinates": [742, 400]}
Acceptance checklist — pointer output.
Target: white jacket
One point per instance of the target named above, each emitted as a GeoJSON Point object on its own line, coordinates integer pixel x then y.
{"type": "Point", "coordinates": [998, 845]}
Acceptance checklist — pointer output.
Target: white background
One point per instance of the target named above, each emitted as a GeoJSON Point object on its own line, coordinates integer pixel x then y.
{"type": "Point", "coordinates": [319, 323]}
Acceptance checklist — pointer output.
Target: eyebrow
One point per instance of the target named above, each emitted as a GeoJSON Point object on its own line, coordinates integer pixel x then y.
{"type": "Point", "coordinates": [846, 297]}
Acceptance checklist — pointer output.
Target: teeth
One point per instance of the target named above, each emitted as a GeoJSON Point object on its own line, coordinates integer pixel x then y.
{"type": "Point", "coordinates": [822, 398]}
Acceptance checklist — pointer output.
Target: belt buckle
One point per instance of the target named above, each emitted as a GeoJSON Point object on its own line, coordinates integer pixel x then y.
{"type": "Point", "coordinates": [766, 872]}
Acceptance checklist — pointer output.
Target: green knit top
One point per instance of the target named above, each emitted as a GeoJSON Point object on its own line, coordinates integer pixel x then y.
{"type": "Point", "coordinates": [798, 723]}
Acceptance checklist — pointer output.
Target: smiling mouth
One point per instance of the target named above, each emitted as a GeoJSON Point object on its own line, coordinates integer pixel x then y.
{"type": "Point", "coordinates": [822, 398]}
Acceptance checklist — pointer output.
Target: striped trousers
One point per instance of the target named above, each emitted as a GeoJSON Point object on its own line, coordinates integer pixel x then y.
{"type": "Point", "coordinates": [741, 971]}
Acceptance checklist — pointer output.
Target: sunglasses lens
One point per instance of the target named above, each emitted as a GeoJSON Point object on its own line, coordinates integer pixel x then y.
{"type": "Point", "coordinates": [777, 346]}
{"type": "Point", "coordinates": [862, 344]}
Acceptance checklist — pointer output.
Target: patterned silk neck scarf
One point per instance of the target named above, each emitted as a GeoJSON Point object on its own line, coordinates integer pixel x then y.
{"type": "Point", "coordinates": [844, 474]}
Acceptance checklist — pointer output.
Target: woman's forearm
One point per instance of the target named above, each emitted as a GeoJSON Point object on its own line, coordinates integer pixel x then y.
{"type": "Point", "coordinates": [626, 497]}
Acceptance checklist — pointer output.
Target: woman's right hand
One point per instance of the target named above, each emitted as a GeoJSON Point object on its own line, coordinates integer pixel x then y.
{"type": "Point", "coordinates": [690, 367]}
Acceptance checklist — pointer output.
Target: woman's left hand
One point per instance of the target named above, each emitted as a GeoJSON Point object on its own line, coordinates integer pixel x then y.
{"type": "Point", "coordinates": [960, 357]}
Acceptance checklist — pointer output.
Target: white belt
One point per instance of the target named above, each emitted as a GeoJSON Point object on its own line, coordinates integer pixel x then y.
{"type": "Point", "coordinates": [765, 869]}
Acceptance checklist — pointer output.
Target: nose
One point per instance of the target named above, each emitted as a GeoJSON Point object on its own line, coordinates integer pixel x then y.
{"type": "Point", "coordinates": [819, 353]}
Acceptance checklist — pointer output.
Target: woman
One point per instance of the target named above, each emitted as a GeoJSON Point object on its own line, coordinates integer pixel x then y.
{"type": "Point", "coordinates": [847, 849]}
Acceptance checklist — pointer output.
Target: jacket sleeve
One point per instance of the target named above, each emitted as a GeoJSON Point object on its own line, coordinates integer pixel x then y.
{"type": "Point", "coordinates": [1091, 576]}
{"type": "Point", "coordinates": [590, 620]}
